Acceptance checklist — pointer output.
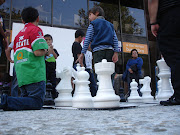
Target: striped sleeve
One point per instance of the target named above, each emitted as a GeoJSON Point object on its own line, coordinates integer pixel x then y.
{"type": "Point", "coordinates": [115, 43]}
{"type": "Point", "coordinates": [88, 39]}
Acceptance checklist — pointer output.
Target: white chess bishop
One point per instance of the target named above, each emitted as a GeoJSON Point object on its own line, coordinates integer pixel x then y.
{"type": "Point", "coordinates": [134, 96]}
{"type": "Point", "coordinates": [165, 91]}
{"type": "Point", "coordinates": [82, 96]}
{"type": "Point", "coordinates": [146, 90]}
{"type": "Point", "coordinates": [64, 88]}
{"type": "Point", "coordinates": [105, 97]}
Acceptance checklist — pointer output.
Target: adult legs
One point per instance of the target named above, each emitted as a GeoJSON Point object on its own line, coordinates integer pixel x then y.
{"type": "Point", "coordinates": [53, 82]}
{"type": "Point", "coordinates": [169, 45]}
{"type": "Point", "coordinates": [14, 85]}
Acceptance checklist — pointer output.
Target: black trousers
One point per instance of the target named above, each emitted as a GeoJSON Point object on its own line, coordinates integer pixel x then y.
{"type": "Point", "coordinates": [169, 44]}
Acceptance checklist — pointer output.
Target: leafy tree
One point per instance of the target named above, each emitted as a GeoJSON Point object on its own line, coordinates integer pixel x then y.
{"type": "Point", "coordinates": [129, 24]}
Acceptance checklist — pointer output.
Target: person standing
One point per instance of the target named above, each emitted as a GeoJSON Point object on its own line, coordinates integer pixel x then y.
{"type": "Point", "coordinates": [76, 51]}
{"type": "Point", "coordinates": [14, 84]}
{"type": "Point", "coordinates": [133, 70]}
{"type": "Point", "coordinates": [102, 36]}
{"type": "Point", "coordinates": [165, 25]}
{"type": "Point", "coordinates": [30, 47]}
{"type": "Point", "coordinates": [50, 61]}
{"type": "Point", "coordinates": [3, 36]}
{"type": "Point", "coordinates": [76, 47]}
{"type": "Point", "coordinates": [88, 60]}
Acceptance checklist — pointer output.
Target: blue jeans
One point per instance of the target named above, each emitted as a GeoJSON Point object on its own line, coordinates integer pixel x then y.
{"type": "Point", "coordinates": [32, 98]}
{"type": "Point", "coordinates": [92, 85]}
{"type": "Point", "coordinates": [14, 85]}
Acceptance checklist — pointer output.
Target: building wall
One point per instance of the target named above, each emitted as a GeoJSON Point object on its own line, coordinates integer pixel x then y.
{"type": "Point", "coordinates": [127, 17]}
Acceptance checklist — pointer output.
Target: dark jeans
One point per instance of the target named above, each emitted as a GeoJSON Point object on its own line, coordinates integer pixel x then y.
{"type": "Point", "coordinates": [32, 98]}
{"type": "Point", "coordinates": [107, 54]}
{"type": "Point", "coordinates": [51, 76]}
{"type": "Point", "coordinates": [129, 80]}
{"type": "Point", "coordinates": [92, 85]}
{"type": "Point", "coordinates": [14, 85]}
{"type": "Point", "coordinates": [169, 45]}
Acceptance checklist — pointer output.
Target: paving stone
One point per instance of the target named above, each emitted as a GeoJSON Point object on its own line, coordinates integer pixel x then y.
{"type": "Point", "coordinates": [144, 119]}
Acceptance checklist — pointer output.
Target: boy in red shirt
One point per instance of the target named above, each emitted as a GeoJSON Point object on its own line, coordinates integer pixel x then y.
{"type": "Point", "coordinates": [30, 48]}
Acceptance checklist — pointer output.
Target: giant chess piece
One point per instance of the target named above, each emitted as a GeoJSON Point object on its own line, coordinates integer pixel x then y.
{"type": "Point", "coordinates": [48, 100]}
{"type": "Point", "coordinates": [106, 97]}
{"type": "Point", "coordinates": [166, 92]}
{"type": "Point", "coordinates": [82, 96]}
{"type": "Point", "coordinates": [159, 87]}
{"type": "Point", "coordinates": [75, 73]}
{"type": "Point", "coordinates": [146, 90]}
{"type": "Point", "coordinates": [134, 96]}
{"type": "Point", "coordinates": [6, 89]}
{"type": "Point", "coordinates": [64, 88]}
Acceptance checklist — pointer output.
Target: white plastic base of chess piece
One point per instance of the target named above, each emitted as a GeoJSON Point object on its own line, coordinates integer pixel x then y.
{"type": "Point", "coordinates": [166, 91]}
{"type": "Point", "coordinates": [105, 97]}
{"type": "Point", "coordinates": [146, 90]}
{"type": "Point", "coordinates": [64, 88]}
{"type": "Point", "coordinates": [82, 97]}
{"type": "Point", "coordinates": [134, 96]}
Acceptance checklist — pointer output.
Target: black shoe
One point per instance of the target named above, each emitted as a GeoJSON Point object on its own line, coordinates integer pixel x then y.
{"type": "Point", "coordinates": [55, 94]}
{"type": "Point", "coordinates": [170, 102]}
{"type": "Point", "coordinates": [122, 100]}
{"type": "Point", "coordinates": [1, 106]}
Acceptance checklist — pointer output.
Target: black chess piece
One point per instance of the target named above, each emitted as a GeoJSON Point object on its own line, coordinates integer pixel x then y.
{"type": "Point", "coordinates": [121, 94]}
{"type": "Point", "coordinates": [48, 97]}
{"type": "Point", "coordinates": [5, 89]}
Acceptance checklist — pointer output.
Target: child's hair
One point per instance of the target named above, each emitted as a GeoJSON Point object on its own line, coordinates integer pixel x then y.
{"type": "Point", "coordinates": [96, 9]}
{"type": "Point", "coordinates": [134, 50]}
{"type": "Point", "coordinates": [79, 33]}
{"type": "Point", "coordinates": [48, 35]}
{"type": "Point", "coordinates": [29, 14]}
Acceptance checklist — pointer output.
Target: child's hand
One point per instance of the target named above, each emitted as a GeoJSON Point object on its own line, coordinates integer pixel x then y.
{"type": "Point", "coordinates": [115, 57]}
{"type": "Point", "coordinates": [80, 59]}
{"type": "Point", "coordinates": [50, 49]}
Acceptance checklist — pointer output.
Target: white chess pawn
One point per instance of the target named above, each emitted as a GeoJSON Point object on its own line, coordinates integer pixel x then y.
{"type": "Point", "coordinates": [64, 88]}
{"type": "Point", "coordinates": [75, 74]}
{"type": "Point", "coordinates": [134, 96]}
{"type": "Point", "coordinates": [166, 91]}
{"type": "Point", "coordinates": [146, 90]}
{"type": "Point", "coordinates": [106, 97]}
{"type": "Point", "coordinates": [82, 97]}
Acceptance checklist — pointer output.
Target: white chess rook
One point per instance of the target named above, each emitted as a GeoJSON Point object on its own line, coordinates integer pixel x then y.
{"type": "Point", "coordinates": [146, 90]}
{"type": "Point", "coordinates": [82, 97]}
{"type": "Point", "coordinates": [166, 91]}
{"type": "Point", "coordinates": [134, 96]}
{"type": "Point", "coordinates": [105, 97]}
{"type": "Point", "coordinates": [64, 88]}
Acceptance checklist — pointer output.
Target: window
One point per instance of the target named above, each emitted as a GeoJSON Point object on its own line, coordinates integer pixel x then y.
{"type": "Point", "coordinates": [43, 7]}
{"type": "Point", "coordinates": [133, 21]}
{"type": "Point", "coordinates": [71, 13]}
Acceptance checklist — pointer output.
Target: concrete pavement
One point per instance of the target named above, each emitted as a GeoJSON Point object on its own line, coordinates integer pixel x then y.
{"type": "Point", "coordinates": [141, 120]}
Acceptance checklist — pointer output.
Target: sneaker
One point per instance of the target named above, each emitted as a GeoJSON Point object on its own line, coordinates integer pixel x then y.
{"type": "Point", "coordinates": [170, 102]}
